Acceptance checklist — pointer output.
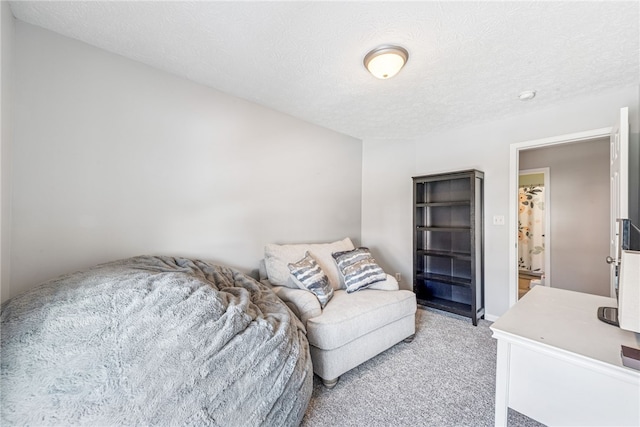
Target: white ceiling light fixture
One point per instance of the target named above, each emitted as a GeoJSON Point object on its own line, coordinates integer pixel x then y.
{"type": "Point", "coordinates": [527, 95]}
{"type": "Point", "coordinates": [386, 61]}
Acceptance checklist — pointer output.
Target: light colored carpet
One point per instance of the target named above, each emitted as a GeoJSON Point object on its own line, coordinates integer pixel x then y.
{"type": "Point", "coordinates": [445, 377]}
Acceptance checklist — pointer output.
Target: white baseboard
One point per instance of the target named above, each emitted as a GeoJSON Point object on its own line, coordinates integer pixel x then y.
{"type": "Point", "coordinates": [491, 317]}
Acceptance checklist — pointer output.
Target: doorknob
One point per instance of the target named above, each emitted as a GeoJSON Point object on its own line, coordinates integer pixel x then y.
{"type": "Point", "coordinates": [610, 260]}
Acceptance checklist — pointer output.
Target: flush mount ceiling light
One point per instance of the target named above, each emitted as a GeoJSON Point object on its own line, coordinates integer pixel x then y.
{"type": "Point", "coordinates": [386, 61]}
{"type": "Point", "coordinates": [527, 95]}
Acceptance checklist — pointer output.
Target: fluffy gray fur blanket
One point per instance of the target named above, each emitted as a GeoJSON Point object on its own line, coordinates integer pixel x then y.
{"type": "Point", "coordinates": [153, 341]}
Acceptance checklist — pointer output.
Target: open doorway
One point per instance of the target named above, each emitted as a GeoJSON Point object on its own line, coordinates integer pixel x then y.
{"type": "Point", "coordinates": [515, 150]}
{"type": "Point", "coordinates": [578, 212]}
{"type": "Point", "coordinates": [534, 235]}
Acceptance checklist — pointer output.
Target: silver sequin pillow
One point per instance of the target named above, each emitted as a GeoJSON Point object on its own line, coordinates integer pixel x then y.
{"type": "Point", "coordinates": [358, 268]}
{"type": "Point", "coordinates": [309, 276]}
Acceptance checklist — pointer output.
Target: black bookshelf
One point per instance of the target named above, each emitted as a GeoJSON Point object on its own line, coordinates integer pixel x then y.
{"type": "Point", "coordinates": [448, 256]}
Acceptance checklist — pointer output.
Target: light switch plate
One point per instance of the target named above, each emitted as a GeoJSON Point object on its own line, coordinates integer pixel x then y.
{"type": "Point", "coordinates": [498, 220]}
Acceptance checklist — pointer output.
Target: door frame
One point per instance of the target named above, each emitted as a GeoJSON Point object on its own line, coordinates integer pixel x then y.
{"type": "Point", "coordinates": [514, 172]}
{"type": "Point", "coordinates": [547, 218]}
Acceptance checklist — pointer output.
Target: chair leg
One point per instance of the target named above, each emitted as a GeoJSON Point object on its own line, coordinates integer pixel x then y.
{"type": "Point", "coordinates": [330, 383]}
{"type": "Point", "coordinates": [409, 338]}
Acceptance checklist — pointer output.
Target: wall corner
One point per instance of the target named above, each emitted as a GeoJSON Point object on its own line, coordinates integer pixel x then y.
{"type": "Point", "coordinates": [7, 43]}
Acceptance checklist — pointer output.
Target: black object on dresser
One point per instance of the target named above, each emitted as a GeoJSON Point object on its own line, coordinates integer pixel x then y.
{"type": "Point", "coordinates": [448, 254]}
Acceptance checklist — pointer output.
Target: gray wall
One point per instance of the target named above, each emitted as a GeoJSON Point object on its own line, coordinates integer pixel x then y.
{"type": "Point", "coordinates": [634, 178]}
{"type": "Point", "coordinates": [113, 158]}
{"type": "Point", "coordinates": [7, 40]}
{"type": "Point", "coordinates": [579, 210]}
{"type": "Point", "coordinates": [388, 166]}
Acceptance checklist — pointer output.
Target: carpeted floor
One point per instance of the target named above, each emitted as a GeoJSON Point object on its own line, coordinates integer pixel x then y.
{"type": "Point", "coordinates": [445, 377]}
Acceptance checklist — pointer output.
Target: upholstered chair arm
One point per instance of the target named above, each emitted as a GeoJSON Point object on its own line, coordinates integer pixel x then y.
{"type": "Point", "coordinates": [304, 304]}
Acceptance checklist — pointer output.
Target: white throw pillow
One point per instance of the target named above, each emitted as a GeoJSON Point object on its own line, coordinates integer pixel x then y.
{"type": "Point", "coordinates": [278, 257]}
{"type": "Point", "coordinates": [390, 284]}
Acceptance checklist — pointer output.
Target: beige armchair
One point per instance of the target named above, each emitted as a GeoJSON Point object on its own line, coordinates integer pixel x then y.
{"type": "Point", "coordinates": [352, 327]}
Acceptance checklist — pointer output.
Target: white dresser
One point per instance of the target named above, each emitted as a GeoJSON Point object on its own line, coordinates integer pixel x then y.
{"type": "Point", "coordinates": [560, 365]}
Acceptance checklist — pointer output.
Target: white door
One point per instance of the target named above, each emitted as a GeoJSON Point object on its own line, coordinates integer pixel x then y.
{"type": "Point", "coordinates": [619, 180]}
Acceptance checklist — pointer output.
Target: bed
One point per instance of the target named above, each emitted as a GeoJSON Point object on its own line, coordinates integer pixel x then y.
{"type": "Point", "coordinates": [153, 341]}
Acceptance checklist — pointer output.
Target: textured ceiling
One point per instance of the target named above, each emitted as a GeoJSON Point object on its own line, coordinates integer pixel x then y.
{"type": "Point", "coordinates": [468, 60]}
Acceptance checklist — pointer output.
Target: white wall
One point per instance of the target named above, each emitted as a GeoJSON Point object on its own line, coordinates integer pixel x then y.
{"type": "Point", "coordinates": [579, 209]}
{"type": "Point", "coordinates": [7, 40]}
{"type": "Point", "coordinates": [113, 158]}
{"type": "Point", "coordinates": [387, 193]}
{"type": "Point", "coordinates": [388, 166]}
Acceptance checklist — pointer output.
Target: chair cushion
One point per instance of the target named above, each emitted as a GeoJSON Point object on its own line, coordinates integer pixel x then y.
{"type": "Point", "coordinates": [277, 258]}
{"type": "Point", "coordinates": [349, 316]}
{"type": "Point", "coordinates": [389, 284]}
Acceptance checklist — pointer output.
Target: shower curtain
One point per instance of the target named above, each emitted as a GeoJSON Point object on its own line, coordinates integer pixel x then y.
{"type": "Point", "coordinates": [531, 229]}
